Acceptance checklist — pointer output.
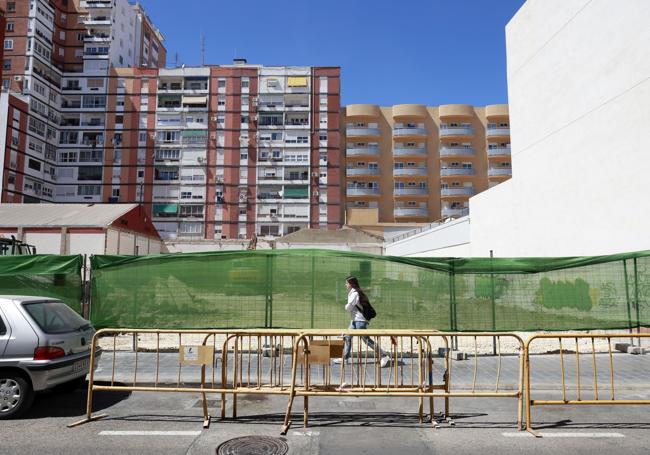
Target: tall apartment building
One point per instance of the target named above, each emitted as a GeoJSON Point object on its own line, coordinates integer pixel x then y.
{"type": "Point", "coordinates": [228, 151]}
{"type": "Point", "coordinates": [3, 27]}
{"type": "Point", "coordinates": [413, 164]}
{"type": "Point", "coordinates": [58, 56]}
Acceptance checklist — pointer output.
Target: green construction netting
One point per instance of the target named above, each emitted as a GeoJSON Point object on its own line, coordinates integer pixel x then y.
{"type": "Point", "coordinates": [43, 275]}
{"type": "Point", "coordinates": [306, 289]}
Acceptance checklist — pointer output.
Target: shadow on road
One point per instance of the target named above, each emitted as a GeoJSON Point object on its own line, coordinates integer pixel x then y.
{"type": "Point", "coordinates": [58, 403]}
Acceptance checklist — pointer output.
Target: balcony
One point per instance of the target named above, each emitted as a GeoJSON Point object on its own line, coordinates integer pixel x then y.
{"type": "Point", "coordinates": [498, 131]}
{"type": "Point", "coordinates": [351, 192]}
{"type": "Point", "coordinates": [409, 132]}
{"type": "Point", "coordinates": [457, 151]}
{"type": "Point", "coordinates": [453, 212]}
{"type": "Point", "coordinates": [498, 151]}
{"type": "Point", "coordinates": [410, 151]}
{"type": "Point", "coordinates": [455, 171]}
{"type": "Point", "coordinates": [97, 38]}
{"type": "Point", "coordinates": [96, 4]}
{"type": "Point", "coordinates": [454, 192]}
{"type": "Point", "coordinates": [499, 171]}
{"type": "Point", "coordinates": [97, 20]}
{"type": "Point", "coordinates": [411, 172]}
{"type": "Point", "coordinates": [363, 151]}
{"type": "Point", "coordinates": [411, 192]}
{"type": "Point", "coordinates": [361, 131]}
{"type": "Point", "coordinates": [361, 171]}
{"type": "Point", "coordinates": [411, 211]}
{"type": "Point", "coordinates": [461, 131]}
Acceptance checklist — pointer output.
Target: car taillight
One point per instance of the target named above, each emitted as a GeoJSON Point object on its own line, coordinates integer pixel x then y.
{"type": "Point", "coordinates": [48, 353]}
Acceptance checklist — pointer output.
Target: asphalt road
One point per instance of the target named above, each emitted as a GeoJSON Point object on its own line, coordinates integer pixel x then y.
{"type": "Point", "coordinates": [337, 426]}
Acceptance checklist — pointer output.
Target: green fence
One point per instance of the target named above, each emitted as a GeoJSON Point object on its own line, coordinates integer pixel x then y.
{"type": "Point", "coordinates": [43, 275]}
{"type": "Point", "coordinates": [306, 289]}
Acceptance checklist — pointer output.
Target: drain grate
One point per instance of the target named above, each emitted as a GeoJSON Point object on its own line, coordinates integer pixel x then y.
{"type": "Point", "coordinates": [254, 445]}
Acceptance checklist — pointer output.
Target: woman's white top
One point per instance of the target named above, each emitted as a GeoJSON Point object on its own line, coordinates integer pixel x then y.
{"type": "Point", "coordinates": [354, 306]}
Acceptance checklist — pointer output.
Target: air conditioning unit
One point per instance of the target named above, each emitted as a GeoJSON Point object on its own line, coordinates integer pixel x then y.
{"type": "Point", "coordinates": [242, 198]}
{"type": "Point", "coordinates": [200, 159]}
{"type": "Point", "coordinates": [18, 78]}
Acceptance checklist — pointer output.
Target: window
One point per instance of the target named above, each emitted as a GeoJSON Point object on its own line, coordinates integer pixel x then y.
{"type": "Point", "coordinates": [90, 173]}
{"type": "Point", "coordinates": [115, 192]}
{"type": "Point", "coordinates": [11, 7]}
{"type": "Point", "coordinates": [322, 136]}
{"type": "Point", "coordinates": [55, 317]}
{"type": "Point", "coordinates": [9, 44]}
{"type": "Point", "coordinates": [244, 82]}
{"type": "Point", "coordinates": [33, 164]}
{"type": "Point", "coordinates": [10, 26]}
{"type": "Point", "coordinates": [142, 136]}
{"type": "Point", "coordinates": [221, 83]}
{"type": "Point", "coordinates": [89, 190]}
{"type": "Point", "coordinates": [243, 156]}
{"type": "Point", "coordinates": [6, 64]}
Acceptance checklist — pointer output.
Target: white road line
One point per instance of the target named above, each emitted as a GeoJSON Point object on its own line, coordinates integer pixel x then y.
{"type": "Point", "coordinates": [525, 434]}
{"type": "Point", "coordinates": [149, 433]}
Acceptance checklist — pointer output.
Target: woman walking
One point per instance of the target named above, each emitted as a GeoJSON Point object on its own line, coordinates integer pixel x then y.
{"type": "Point", "coordinates": [354, 306]}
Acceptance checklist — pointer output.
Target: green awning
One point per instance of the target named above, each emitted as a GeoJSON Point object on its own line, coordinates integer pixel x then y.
{"type": "Point", "coordinates": [297, 192]}
{"type": "Point", "coordinates": [165, 208]}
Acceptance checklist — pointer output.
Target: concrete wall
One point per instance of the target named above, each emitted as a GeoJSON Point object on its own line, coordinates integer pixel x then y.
{"type": "Point", "coordinates": [448, 239]}
{"type": "Point", "coordinates": [579, 89]}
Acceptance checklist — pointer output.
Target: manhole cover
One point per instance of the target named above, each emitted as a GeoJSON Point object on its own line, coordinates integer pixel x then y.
{"type": "Point", "coordinates": [253, 445]}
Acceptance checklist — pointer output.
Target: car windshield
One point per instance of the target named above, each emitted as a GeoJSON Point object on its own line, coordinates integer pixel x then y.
{"type": "Point", "coordinates": [55, 317]}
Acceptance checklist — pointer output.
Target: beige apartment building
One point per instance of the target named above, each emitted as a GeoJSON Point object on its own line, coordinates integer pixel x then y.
{"type": "Point", "coordinates": [411, 164]}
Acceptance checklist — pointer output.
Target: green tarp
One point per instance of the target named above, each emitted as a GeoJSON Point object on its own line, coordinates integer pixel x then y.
{"type": "Point", "coordinates": [43, 275]}
{"type": "Point", "coordinates": [296, 192]}
{"type": "Point", "coordinates": [306, 288]}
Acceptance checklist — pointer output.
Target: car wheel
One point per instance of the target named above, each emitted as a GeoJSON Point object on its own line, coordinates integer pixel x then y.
{"type": "Point", "coordinates": [16, 395]}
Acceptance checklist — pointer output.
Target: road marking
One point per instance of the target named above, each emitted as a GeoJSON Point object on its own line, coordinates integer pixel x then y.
{"type": "Point", "coordinates": [564, 435]}
{"type": "Point", "coordinates": [149, 433]}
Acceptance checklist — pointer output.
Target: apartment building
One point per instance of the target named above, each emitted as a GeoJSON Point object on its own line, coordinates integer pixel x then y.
{"type": "Point", "coordinates": [3, 27]}
{"type": "Point", "coordinates": [228, 151]}
{"type": "Point", "coordinates": [58, 59]}
{"type": "Point", "coordinates": [411, 164]}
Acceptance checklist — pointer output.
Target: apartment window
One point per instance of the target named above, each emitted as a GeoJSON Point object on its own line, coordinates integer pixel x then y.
{"type": "Point", "coordinates": [244, 118]}
{"type": "Point", "coordinates": [90, 173]}
{"type": "Point", "coordinates": [6, 64]}
{"type": "Point", "coordinates": [67, 157]}
{"type": "Point", "coordinates": [243, 156]}
{"type": "Point", "coordinates": [5, 84]}
{"type": "Point", "coordinates": [221, 83]}
{"type": "Point", "coordinates": [10, 26]}
{"type": "Point", "coordinates": [242, 210]}
{"type": "Point", "coordinates": [33, 164]}
{"type": "Point", "coordinates": [140, 174]}
{"type": "Point", "coordinates": [89, 190]}
{"type": "Point", "coordinates": [80, 36]}
{"type": "Point", "coordinates": [276, 154]}
{"type": "Point", "coordinates": [322, 136]}
{"type": "Point", "coordinates": [142, 136]}
{"type": "Point", "coordinates": [91, 155]}
{"type": "Point", "coordinates": [221, 101]}
{"type": "Point", "coordinates": [9, 44]}
{"type": "Point", "coordinates": [11, 7]}
{"type": "Point", "coordinates": [276, 136]}
{"type": "Point", "coordinates": [244, 82]}
{"type": "Point", "coordinates": [115, 192]}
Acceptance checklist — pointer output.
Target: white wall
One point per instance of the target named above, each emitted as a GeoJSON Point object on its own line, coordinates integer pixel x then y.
{"type": "Point", "coordinates": [449, 239]}
{"type": "Point", "coordinates": [579, 89]}
{"type": "Point", "coordinates": [45, 243]}
{"type": "Point", "coordinates": [86, 243]}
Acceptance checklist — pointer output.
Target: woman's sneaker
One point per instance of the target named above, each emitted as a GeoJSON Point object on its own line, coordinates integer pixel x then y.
{"type": "Point", "coordinates": [385, 361]}
{"type": "Point", "coordinates": [339, 361]}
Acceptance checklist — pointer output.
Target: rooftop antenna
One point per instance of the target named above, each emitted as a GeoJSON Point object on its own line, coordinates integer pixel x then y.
{"type": "Point", "coordinates": [202, 49]}
{"type": "Point", "coordinates": [177, 58]}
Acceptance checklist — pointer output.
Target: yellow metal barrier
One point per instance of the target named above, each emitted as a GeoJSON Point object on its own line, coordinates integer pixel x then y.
{"type": "Point", "coordinates": [599, 391]}
{"type": "Point", "coordinates": [410, 371]}
{"type": "Point", "coordinates": [195, 348]}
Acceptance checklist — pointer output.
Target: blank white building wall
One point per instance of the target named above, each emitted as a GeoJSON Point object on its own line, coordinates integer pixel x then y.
{"type": "Point", "coordinates": [579, 96]}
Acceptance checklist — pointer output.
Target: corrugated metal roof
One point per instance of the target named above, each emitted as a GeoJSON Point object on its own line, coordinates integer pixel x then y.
{"type": "Point", "coordinates": [61, 215]}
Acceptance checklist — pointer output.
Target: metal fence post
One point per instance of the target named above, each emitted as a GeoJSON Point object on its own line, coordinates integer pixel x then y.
{"type": "Point", "coordinates": [636, 299]}
{"type": "Point", "coordinates": [313, 288]}
{"type": "Point", "coordinates": [494, 308]}
{"type": "Point", "coordinates": [268, 312]}
{"type": "Point", "coordinates": [627, 298]}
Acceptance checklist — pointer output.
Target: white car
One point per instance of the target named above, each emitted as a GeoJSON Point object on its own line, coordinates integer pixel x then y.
{"type": "Point", "coordinates": [43, 344]}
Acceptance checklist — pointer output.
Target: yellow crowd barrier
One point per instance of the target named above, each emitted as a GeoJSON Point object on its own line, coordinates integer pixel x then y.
{"type": "Point", "coordinates": [573, 347]}
{"type": "Point", "coordinates": [299, 364]}
{"type": "Point", "coordinates": [409, 368]}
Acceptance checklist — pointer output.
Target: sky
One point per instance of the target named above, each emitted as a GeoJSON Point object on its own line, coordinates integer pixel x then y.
{"type": "Point", "coordinates": [390, 52]}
